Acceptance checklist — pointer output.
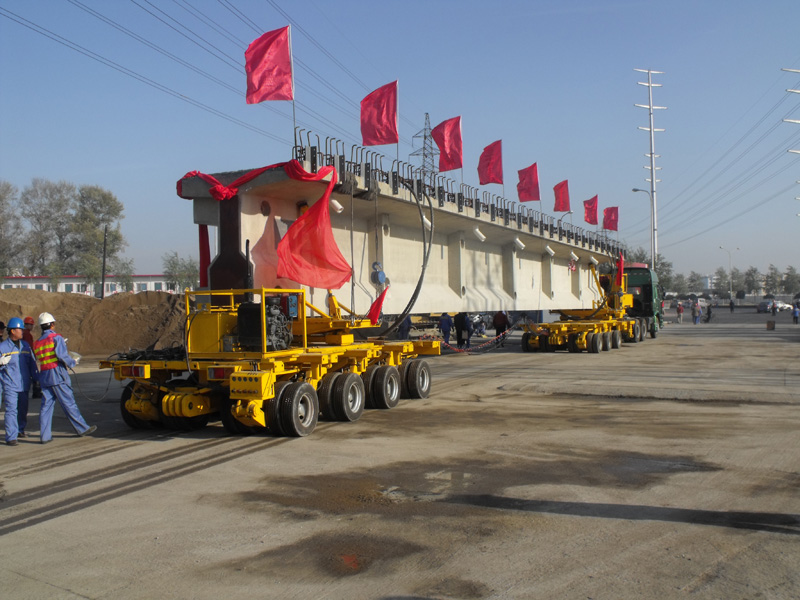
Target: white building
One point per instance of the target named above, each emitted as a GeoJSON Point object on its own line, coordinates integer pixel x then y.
{"type": "Point", "coordinates": [77, 284]}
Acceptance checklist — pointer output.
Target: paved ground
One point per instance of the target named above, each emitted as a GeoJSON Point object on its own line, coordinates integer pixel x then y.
{"type": "Point", "coordinates": [665, 469]}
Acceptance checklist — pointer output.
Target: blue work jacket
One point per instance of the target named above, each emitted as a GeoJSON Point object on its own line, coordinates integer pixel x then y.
{"type": "Point", "coordinates": [21, 371]}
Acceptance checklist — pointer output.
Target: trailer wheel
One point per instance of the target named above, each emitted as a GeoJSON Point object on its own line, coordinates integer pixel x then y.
{"type": "Point", "coordinates": [593, 342]}
{"type": "Point", "coordinates": [386, 387]}
{"type": "Point", "coordinates": [635, 336]}
{"type": "Point", "coordinates": [348, 397]}
{"type": "Point", "coordinates": [273, 409]}
{"type": "Point", "coordinates": [544, 343]}
{"type": "Point", "coordinates": [572, 343]}
{"type": "Point", "coordinates": [654, 329]}
{"type": "Point", "coordinates": [367, 378]}
{"type": "Point", "coordinates": [324, 395]}
{"type": "Point", "coordinates": [231, 423]}
{"type": "Point", "coordinates": [525, 337]}
{"type": "Point", "coordinates": [642, 329]}
{"type": "Point", "coordinates": [606, 341]}
{"type": "Point", "coordinates": [129, 419]}
{"type": "Point", "coordinates": [402, 369]}
{"type": "Point", "coordinates": [616, 339]}
{"type": "Point", "coordinates": [418, 378]}
{"type": "Point", "coordinates": [299, 409]}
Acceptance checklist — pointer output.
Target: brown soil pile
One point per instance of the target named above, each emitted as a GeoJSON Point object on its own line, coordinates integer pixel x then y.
{"type": "Point", "coordinates": [102, 327]}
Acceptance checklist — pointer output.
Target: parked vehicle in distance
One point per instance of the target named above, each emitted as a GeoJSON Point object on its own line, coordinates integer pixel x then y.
{"type": "Point", "coordinates": [783, 305]}
{"type": "Point", "coordinates": [764, 306]}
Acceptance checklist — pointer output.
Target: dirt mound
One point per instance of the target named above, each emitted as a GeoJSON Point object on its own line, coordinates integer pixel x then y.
{"type": "Point", "coordinates": [102, 327]}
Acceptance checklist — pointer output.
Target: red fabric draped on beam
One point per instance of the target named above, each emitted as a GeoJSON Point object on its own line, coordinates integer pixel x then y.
{"type": "Point", "coordinates": [490, 165]}
{"type": "Point", "coordinates": [528, 186]}
{"type": "Point", "coordinates": [308, 253]}
{"type": "Point", "coordinates": [379, 116]}
{"type": "Point", "coordinates": [268, 64]}
{"type": "Point", "coordinates": [590, 211]}
{"type": "Point", "coordinates": [620, 269]}
{"type": "Point", "coordinates": [562, 197]}
{"type": "Point", "coordinates": [447, 136]}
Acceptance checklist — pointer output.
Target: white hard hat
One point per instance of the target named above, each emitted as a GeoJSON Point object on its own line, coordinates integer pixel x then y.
{"type": "Point", "coordinates": [46, 318]}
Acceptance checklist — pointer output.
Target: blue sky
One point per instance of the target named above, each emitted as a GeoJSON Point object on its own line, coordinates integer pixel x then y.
{"type": "Point", "coordinates": [554, 80]}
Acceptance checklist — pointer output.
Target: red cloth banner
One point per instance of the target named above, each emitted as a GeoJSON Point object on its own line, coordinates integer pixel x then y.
{"type": "Point", "coordinates": [611, 218]}
{"type": "Point", "coordinates": [447, 136]}
{"type": "Point", "coordinates": [379, 116]}
{"type": "Point", "coordinates": [620, 269]}
{"type": "Point", "coordinates": [268, 64]}
{"type": "Point", "coordinates": [490, 165]}
{"type": "Point", "coordinates": [374, 312]}
{"type": "Point", "coordinates": [562, 197]}
{"type": "Point", "coordinates": [528, 186]}
{"type": "Point", "coordinates": [590, 211]}
{"type": "Point", "coordinates": [205, 255]}
{"type": "Point", "coordinates": [308, 253]}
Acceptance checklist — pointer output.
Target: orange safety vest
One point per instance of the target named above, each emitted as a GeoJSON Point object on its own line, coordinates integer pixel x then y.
{"type": "Point", "coordinates": [45, 351]}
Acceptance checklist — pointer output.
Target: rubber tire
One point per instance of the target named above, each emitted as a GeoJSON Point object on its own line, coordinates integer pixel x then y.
{"type": "Point", "coordinates": [616, 339]}
{"type": "Point", "coordinates": [348, 398]}
{"type": "Point", "coordinates": [544, 343]}
{"type": "Point", "coordinates": [386, 387]}
{"type": "Point", "coordinates": [367, 378]}
{"type": "Point", "coordinates": [654, 330]}
{"type": "Point", "coordinates": [402, 369]}
{"type": "Point", "coordinates": [272, 408]}
{"type": "Point", "coordinates": [525, 338]}
{"type": "Point", "coordinates": [418, 379]}
{"type": "Point", "coordinates": [592, 343]}
{"type": "Point", "coordinates": [606, 341]}
{"type": "Point", "coordinates": [299, 409]}
{"type": "Point", "coordinates": [642, 329]}
{"type": "Point", "coordinates": [572, 343]}
{"type": "Point", "coordinates": [129, 419]}
{"type": "Point", "coordinates": [635, 338]}
{"type": "Point", "coordinates": [324, 391]}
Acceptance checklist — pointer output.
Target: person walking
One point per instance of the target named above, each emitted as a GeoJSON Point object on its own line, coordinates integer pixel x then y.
{"type": "Point", "coordinates": [17, 371]}
{"type": "Point", "coordinates": [774, 308]}
{"type": "Point", "coordinates": [733, 304]}
{"type": "Point", "coordinates": [459, 325]}
{"type": "Point", "coordinates": [679, 309]}
{"type": "Point", "coordinates": [796, 313]}
{"type": "Point", "coordinates": [697, 312]}
{"type": "Point", "coordinates": [54, 359]}
{"type": "Point", "coordinates": [28, 337]}
{"type": "Point", "coordinates": [500, 323]}
{"type": "Point", "coordinates": [445, 325]}
{"type": "Point", "coordinates": [468, 328]}
{"type": "Point", "coordinates": [404, 329]}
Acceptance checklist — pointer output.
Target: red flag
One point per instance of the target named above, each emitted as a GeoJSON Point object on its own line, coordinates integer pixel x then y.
{"type": "Point", "coordinates": [379, 116]}
{"type": "Point", "coordinates": [268, 64]}
{"type": "Point", "coordinates": [447, 136]}
{"type": "Point", "coordinates": [374, 312]}
{"type": "Point", "coordinates": [205, 255]}
{"type": "Point", "coordinates": [620, 270]}
{"type": "Point", "coordinates": [490, 165]}
{"type": "Point", "coordinates": [590, 211]}
{"type": "Point", "coordinates": [528, 186]}
{"type": "Point", "coordinates": [610, 218]}
{"type": "Point", "coordinates": [562, 197]}
{"type": "Point", "coordinates": [308, 253]}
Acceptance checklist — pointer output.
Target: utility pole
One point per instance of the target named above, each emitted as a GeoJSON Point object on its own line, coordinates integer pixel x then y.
{"type": "Point", "coordinates": [652, 166]}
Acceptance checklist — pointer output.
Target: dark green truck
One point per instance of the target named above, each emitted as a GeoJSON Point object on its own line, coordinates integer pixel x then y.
{"type": "Point", "coordinates": [648, 296]}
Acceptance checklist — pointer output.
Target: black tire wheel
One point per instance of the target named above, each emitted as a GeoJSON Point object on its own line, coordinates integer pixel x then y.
{"type": "Point", "coordinates": [654, 329]}
{"type": "Point", "coordinates": [129, 419]}
{"type": "Point", "coordinates": [403, 370]}
{"type": "Point", "coordinates": [572, 343]}
{"type": "Point", "coordinates": [231, 424]}
{"type": "Point", "coordinates": [616, 339]}
{"type": "Point", "coordinates": [635, 338]}
{"type": "Point", "coordinates": [418, 378]}
{"type": "Point", "coordinates": [324, 393]}
{"type": "Point", "coordinates": [348, 397]}
{"type": "Point", "coordinates": [273, 409]}
{"type": "Point", "coordinates": [525, 339]}
{"type": "Point", "coordinates": [642, 329]}
{"type": "Point", "coordinates": [386, 387]}
{"type": "Point", "coordinates": [606, 341]}
{"type": "Point", "coordinates": [544, 343]}
{"type": "Point", "coordinates": [594, 342]}
{"type": "Point", "coordinates": [299, 409]}
{"type": "Point", "coordinates": [367, 377]}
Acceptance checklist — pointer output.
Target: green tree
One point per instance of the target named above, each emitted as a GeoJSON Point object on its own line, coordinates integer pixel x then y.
{"type": "Point", "coordinates": [180, 273]}
{"type": "Point", "coordinates": [679, 284]}
{"type": "Point", "coordinates": [695, 282]}
{"type": "Point", "coordinates": [46, 207]}
{"type": "Point", "coordinates": [9, 196]}
{"type": "Point", "coordinates": [96, 215]}
{"type": "Point", "coordinates": [791, 281]}
{"type": "Point", "coordinates": [663, 266]}
{"type": "Point", "coordinates": [752, 280]}
{"type": "Point", "coordinates": [722, 282]}
{"type": "Point", "coordinates": [772, 280]}
{"type": "Point", "coordinates": [737, 277]}
{"type": "Point", "coordinates": [123, 270]}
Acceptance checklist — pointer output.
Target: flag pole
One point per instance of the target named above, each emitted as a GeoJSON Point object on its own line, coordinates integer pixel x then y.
{"type": "Point", "coordinates": [294, 112]}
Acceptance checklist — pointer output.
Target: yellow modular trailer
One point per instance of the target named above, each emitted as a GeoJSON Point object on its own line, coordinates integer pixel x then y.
{"type": "Point", "coordinates": [603, 327]}
{"type": "Point", "coordinates": [266, 358]}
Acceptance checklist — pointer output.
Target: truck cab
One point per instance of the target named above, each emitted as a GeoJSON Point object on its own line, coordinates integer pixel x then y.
{"type": "Point", "coordinates": [648, 296]}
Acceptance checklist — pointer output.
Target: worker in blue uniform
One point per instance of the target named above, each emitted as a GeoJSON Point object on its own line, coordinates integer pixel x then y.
{"type": "Point", "coordinates": [17, 372]}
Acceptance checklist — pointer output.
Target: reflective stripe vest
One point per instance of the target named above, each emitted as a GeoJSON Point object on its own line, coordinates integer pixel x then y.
{"type": "Point", "coordinates": [45, 351]}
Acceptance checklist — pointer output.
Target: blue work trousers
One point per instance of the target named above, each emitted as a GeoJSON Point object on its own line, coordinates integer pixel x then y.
{"type": "Point", "coordinates": [63, 394]}
{"type": "Point", "coordinates": [16, 413]}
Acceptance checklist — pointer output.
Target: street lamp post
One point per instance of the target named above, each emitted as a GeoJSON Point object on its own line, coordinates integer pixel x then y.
{"type": "Point", "coordinates": [653, 228]}
{"type": "Point", "coordinates": [730, 269]}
